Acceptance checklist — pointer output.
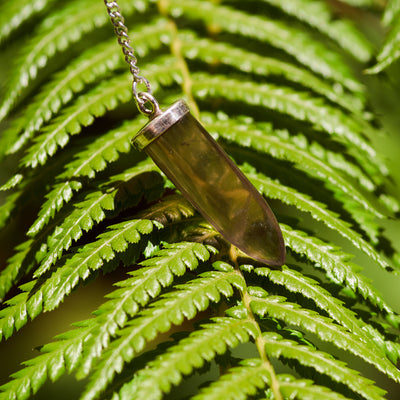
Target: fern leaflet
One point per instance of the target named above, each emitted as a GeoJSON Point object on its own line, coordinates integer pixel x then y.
{"type": "Point", "coordinates": [277, 346]}
{"type": "Point", "coordinates": [66, 352]}
{"type": "Point", "coordinates": [90, 211]}
{"type": "Point", "coordinates": [295, 42]}
{"type": "Point", "coordinates": [251, 376]}
{"type": "Point", "coordinates": [145, 284]}
{"type": "Point", "coordinates": [319, 16]}
{"type": "Point", "coordinates": [307, 287]}
{"type": "Point", "coordinates": [280, 84]}
{"type": "Point", "coordinates": [390, 51]}
{"type": "Point", "coordinates": [95, 103]}
{"type": "Point", "coordinates": [248, 62]}
{"type": "Point", "coordinates": [297, 104]}
{"type": "Point", "coordinates": [87, 163]}
{"type": "Point", "coordinates": [190, 353]}
{"type": "Point", "coordinates": [291, 313]}
{"type": "Point", "coordinates": [32, 301]}
{"type": "Point", "coordinates": [14, 13]}
{"type": "Point", "coordinates": [336, 263]}
{"type": "Point", "coordinates": [290, 196]}
{"type": "Point", "coordinates": [92, 65]}
{"type": "Point", "coordinates": [55, 34]}
{"type": "Point", "coordinates": [193, 297]}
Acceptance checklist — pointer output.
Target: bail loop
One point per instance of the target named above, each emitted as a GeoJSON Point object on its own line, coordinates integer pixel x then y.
{"type": "Point", "coordinates": [144, 99]}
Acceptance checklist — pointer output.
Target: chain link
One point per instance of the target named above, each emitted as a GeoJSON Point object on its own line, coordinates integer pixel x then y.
{"type": "Point", "coordinates": [143, 99]}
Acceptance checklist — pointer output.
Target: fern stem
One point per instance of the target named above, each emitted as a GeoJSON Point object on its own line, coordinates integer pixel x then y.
{"type": "Point", "coordinates": [259, 341]}
{"type": "Point", "coordinates": [176, 50]}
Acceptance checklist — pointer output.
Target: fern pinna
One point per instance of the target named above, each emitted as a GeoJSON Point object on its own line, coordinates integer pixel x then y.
{"type": "Point", "coordinates": [280, 85]}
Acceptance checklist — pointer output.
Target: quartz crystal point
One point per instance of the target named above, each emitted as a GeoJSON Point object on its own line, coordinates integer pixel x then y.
{"type": "Point", "coordinates": [213, 184]}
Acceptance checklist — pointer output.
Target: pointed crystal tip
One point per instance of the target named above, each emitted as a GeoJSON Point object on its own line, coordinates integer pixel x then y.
{"type": "Point", "coordinates": [263, 240]}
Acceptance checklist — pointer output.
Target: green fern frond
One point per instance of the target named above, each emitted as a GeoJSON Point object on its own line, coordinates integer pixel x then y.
{"type": "Point", "coordinates": [248, 378]}
{"type": "Point", "coordinates": [298, 283]}
{"type": "Point", "coordinates": [33, 300]}
{"type": "Point", "coordinates": [280, 85]}
{"type": "Point", "coordinates": [273, 189]}
{"type": "Point", "coordinates": [390, 51]}
{"type": "Point", "coordinates": [146, 283]}
{"type": "Point", "coordinates": [282, 36]}
{"type": "Point", "coordinates": [305, 389]}
{"type": "Point", "coordinates": [276, 346]}
{"type": "Point", "coordinates": [93, 256]}
{"type": "Point", "coordinates": [95, 103]}
{"type": "Point", "coordinates": [191, 353]}
{"type": "Point", "coordinates": [299, 105]}
{"type": "Point", "coordinates": [10, 184]}
{"type": "Point", "coordinates": [79, 220]}
{"type": "Point", "coordinates": [91, 210]}
{"type": "Point", "coordinates": [249, 62]}
{"type": "Point", "coordinates": [307, 287]}
{"type": "Point", "coordinates": [333, 159]}
{"type": "Point", "coordinates": [172, 208]}
{"type": "Point", "coordinates": [193, 297]}
{"type": "Point", "coordinates": [7, 209]}
{"type": "Point", "coordinates": [13, 14]}
{"type": "Point", "coordinates": [62, 192]}
{"type": "Point", "coordinates": [92, 65]}
{"type": "Point", "coordinates": [65, 353]}
{"type": "Point", "coordinates": [336, 263]}
{"type": "Point", "coordinates": [56, 358]}
{"type": "Point", "coordinates": [94, 158]}
{"type": "Point", "coordinates": [17, 265]}
{"type": "Point", "coordinates": [55, 34]}
{"type": "Point", "coordinates": [251, 376]}
{"type": "Point", "coordinates": [292, 314]}
{"type": "Point", "coordinates": [392, 10]}
{"type": "Point", "coordinates": [15, 316]}
{"type": "Point", "coordinates": [319, 16]}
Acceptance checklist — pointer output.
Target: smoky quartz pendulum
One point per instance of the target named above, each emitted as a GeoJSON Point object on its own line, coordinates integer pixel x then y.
{"type": "Point", "coordinates": [212, 183]}
{"type": "Point", "coordinates": [201, 170]}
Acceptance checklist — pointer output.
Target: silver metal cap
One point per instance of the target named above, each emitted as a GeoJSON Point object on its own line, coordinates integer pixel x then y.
{"type": "Point", "coordinates": [160, 123]}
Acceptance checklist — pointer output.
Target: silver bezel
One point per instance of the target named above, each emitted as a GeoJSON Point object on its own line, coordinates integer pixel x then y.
{"type": "Point", "coordinates": [159, 124]}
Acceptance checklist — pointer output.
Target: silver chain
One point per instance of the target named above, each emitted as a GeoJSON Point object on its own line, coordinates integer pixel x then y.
{"type": "Point", "coordinates": [143, 99]}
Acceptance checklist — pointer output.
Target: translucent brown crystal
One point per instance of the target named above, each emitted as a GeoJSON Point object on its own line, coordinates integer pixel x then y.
{"type": "Point", "coordinates": [214, 185]}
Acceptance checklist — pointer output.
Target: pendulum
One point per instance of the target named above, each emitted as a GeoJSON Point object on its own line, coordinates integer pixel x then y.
{"type": "Point", "coordinates": [202, 171]}
{"type": "Point", "coordinates": [212, 183]}
{"type": "Point", "coordinates": [200, 168]}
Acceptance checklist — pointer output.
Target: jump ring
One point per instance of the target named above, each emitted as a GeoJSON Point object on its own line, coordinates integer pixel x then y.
{"type": "Point", "coordinates": [142, 99]}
